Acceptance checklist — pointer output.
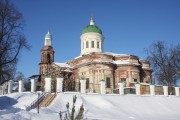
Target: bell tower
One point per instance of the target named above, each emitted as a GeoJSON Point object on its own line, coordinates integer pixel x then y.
{"type": "Point", "coordinates": [47, 55]}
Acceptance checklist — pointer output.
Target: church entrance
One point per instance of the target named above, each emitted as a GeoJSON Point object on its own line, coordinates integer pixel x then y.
{"type": "Point", "coordinates": [53, 85]}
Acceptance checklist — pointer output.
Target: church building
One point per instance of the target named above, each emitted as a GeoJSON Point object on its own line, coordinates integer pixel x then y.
{"type": "Point", "coordinates": [93, 64]}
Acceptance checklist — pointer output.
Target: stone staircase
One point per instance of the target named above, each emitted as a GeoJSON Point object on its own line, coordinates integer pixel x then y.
{"type": "Point", "coordinates": [47, 100]}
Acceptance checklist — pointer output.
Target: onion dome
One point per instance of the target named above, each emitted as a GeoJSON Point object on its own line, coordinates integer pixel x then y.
{"type": "Point", "coordinates": [92, 28]}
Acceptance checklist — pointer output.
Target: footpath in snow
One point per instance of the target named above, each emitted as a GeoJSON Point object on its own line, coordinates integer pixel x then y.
{"type": "Point", "coordinates": [97, 107]}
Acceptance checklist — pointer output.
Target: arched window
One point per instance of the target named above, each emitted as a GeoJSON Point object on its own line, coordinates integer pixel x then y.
{"type": "Point", "coordinates": [87, 44]}
{"type": "Point", "coordinates": [97, 44]}
{"type": "Point", "coordinates": [124, 81]}
{"type": "Point", "coordinates": [108, 82]}
{"type": "Point", "coordinates": [48, 58]}
{"type": "Point", "coordinates": [87, 83]}
{"type": "Point", "coordinates": [92, 44]}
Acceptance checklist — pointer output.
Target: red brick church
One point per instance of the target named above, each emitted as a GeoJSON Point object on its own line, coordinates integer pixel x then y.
{"type": "Point", "coordinates": [93, 64]}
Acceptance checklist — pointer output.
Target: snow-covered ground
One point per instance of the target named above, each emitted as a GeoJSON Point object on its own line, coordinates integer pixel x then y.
{"type": "Point", "coordinates": [97, 107]}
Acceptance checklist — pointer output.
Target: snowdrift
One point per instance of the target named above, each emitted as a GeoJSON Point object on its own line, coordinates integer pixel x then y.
{"type": "Point", "coordinates": [97, 107]}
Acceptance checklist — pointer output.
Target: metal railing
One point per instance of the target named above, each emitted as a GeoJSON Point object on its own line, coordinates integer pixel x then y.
{"type": "Point", "coordinates": [36, 102]}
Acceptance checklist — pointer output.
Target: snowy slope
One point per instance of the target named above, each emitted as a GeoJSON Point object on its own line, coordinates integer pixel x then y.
{"type": "Point", "coordinates": [17, 100]}
{"type": "Point", "coordinates": [97, 107]}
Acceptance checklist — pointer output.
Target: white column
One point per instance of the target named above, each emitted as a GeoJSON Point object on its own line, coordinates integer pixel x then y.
{"type": "Point", "coordinates": [84, 44]}
{"type": "Point", "coordinates": [48, 84]}
{"type": "Point", "coordinates": [95, 44]}
{"type": "Point", "coordinates": [10, 82]}
{"type": "Point", "coordinates": [121, 88]}
{"type": "Point", "coordinates": [1, 90]}
{"type": "Point", "coordinates": [59, 84]}
{"type": "Point", "coordinates": [81, 45]}
{"type": "Point", "coordinates": [83, 85]}
{"type": "Point", "coordinates": [138, 89]}
{"type": "Point", "coordinates": [21, 86]}
{"type": "Point", "coordinates": [177, 91]}
{"type": "Point", "coordinates": [102, 85]}
{"type": "Point", "coordinates": [165, 90]}
{"type": "Point", "coordinates": [33, 85]}
{"type": "Point", "coordinates": [152, 90]}
{"type": "Point", "coordinates": [90, 44]}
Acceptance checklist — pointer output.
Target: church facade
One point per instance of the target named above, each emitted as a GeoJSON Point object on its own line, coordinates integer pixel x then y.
{"type": "Point", "coordinates": [93, 64]}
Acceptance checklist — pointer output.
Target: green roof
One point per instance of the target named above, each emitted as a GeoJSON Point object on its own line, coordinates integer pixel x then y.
{"type": "Point", "coordinates": [92, 28]}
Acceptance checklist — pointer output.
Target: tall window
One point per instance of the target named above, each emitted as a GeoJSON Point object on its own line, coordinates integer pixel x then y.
{"type": "Point", "coordinates": [135, 80]}
{"type": "Point", "coordinates": [124, 81]}
{"type": "Point", "coordinates": [108, 82]}
{"type": "Point", "coordinates": [87, 83]}
{"type": "Point", "coordinates": [87, 44]}
{"type": "Point", "coordinates": [48, 58]}
{"type": "Point", "coordinates": [92, 44]}
{"type": "Point", "coordinates": [97, 44]}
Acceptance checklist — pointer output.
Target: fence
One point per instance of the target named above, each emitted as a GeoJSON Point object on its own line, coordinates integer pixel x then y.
{"type": "Point", "coordinates": [4, 88]}
{"type": "Point", "coordinates": [148, 89]}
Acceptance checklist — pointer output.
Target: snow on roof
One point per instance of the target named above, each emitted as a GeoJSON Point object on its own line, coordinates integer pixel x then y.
{"type": "Point", "coordinates": [125, 62]}
{"type": "Point", "coordinates": [107, 53]}
{"type": "Point", "coordinates": [103, 60]}
{"type": "Point", "coordinates": [77, 57]}
{"type": "Point", "coordinates": [67, 70]}
{"type": "Point", "coordinates": [145, 67]}
{"type": "Point", "coordinates": [115, 54]}
{"type": "Point", "coordinates": [62, 64]}
{"type": "Point", "coordinates": [119, 62]}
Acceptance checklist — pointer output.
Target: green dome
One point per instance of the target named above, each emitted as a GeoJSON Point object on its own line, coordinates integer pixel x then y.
{"type": "Point", "coordinates": [92, 28]}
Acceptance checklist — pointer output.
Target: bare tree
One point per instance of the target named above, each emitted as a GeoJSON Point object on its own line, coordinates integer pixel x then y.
{"type": "Point", "coordinates": [19, 76]}
{"type": "Point", "coordinates": [12, 39]}
{"type": "Point", "coordinates": [165, 61]}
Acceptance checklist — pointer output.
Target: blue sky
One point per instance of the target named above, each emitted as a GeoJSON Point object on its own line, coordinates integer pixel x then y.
{"type": "Point", "coordinates": [128, 26]}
